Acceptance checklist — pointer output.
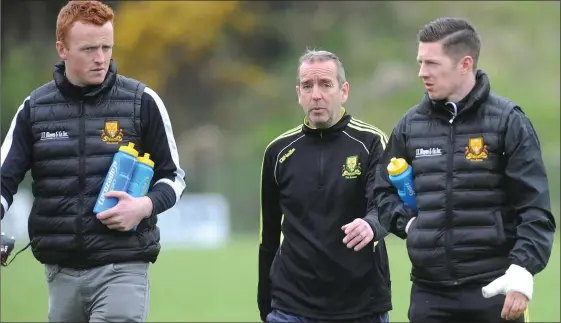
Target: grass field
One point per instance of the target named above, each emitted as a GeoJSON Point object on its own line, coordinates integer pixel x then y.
{"type": "Point", "coordinates": [220, 285]}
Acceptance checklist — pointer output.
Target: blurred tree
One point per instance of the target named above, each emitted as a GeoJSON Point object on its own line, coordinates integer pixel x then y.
{"type": "Point", "coordinates": [190, 49]}
{"type": "Point", "coordinates": [172, 34]}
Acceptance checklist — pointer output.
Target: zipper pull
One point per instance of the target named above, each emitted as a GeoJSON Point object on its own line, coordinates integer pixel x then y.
{"type": "Point", "coordinates": [455, 112]}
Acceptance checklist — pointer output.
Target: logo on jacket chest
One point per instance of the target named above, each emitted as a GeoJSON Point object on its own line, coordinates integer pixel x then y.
{"type": "Point", "coordinates": [476, 150]}
{"type": "Point", "coordinates": [430, 152]}
{"type": "Point", "coordinates": [285, 156]}
{"type": "Point", "coordinates": [111, 133]}
{"type": "Point", "coordinates": [46, 135]}
{"type": "Point", "coordinates": [351, 168]}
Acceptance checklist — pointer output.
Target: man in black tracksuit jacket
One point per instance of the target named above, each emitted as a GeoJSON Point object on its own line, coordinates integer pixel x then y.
{"type": "Point", "coordinates": [306, 192]}
{"type": "Point", "coordinates": [315, 181]}
{"type": "Point", "coordinates": [67, 132]}
{"type": "Point", "coordinates": [481, 191]}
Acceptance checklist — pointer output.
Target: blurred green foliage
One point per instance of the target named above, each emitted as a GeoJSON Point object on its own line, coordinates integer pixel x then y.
{"type": "Point", "coordinates": [227, 72]}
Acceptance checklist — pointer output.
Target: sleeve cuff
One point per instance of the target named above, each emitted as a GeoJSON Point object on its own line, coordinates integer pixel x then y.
{"type": "Point", "coordinates": [515, 262]}
{"type": "Point", "coordinates": [379, 231]}
{"type": "Point", "coordinates": [264, 305]}
{"type": "Point", "coordinates": [5, 206]}
{"type": "Point", "coordinates": [153, 207]}
{"type": "Point", "coordinates": [409, 224]}
{"type": "Point", "coordinates": [402, 218]}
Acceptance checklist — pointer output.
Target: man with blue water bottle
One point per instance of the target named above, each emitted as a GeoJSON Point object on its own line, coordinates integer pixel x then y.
{"type": "Point", "coordinates": [92, 135]}
{"type": "Point", "coordinates": [478, 225]}
{"type": "Point", "coordinates": [128, 173]}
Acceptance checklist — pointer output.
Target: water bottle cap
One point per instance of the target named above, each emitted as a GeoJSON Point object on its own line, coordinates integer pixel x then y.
{"type": "Point", "coordinates": [129, 149]}
{"type": "Point", "coordinates": [146, 160]}
{"type": "Point", "coordinates": [397, 166]}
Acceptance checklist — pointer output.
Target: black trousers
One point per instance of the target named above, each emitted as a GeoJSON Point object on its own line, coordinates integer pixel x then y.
{"type": "Point", "coordinates": [457, 304]}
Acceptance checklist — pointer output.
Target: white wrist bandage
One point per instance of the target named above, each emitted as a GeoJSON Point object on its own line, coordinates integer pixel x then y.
{"type": "Point", "coordinates": [516, 279]}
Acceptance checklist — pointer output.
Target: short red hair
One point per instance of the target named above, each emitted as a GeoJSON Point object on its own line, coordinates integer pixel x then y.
{"type": "Point", "coordinates": [91, 12]}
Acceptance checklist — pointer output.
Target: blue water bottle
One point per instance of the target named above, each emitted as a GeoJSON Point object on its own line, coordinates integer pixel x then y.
{"type": "Point", "coordinates": [401, 176]}
{"type": "Point", "coordinates": [118, 177]}
{"type": "Point", "coordinates": [141, 178]}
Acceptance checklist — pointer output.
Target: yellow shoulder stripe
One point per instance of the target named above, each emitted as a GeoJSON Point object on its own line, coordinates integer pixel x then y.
{"type": "Point", "coordinates": [367, 125]}
{"type": "Point", "coordinates": [285, 134]}
{"type": "Point", "coordinates": [371, 129]}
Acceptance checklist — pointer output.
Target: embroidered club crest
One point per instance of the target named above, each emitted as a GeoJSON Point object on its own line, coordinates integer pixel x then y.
{"type": "Point", "coordinates": [352, 168]}
{"type": "Point", "coordinates": [476, 150]}
{"type": "Point", "coordinates": [111, 133]}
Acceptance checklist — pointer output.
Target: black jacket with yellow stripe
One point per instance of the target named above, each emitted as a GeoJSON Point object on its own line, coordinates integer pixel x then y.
{"type": "Point", "coordinates": [314, 181]}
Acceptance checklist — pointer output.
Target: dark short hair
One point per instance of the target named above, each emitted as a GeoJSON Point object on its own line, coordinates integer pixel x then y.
{"type": "Point", "coordinates": [458, 36]}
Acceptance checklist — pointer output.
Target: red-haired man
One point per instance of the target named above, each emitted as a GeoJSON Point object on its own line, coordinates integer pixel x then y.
{"type": "Point", "coordinates": [67, 132]}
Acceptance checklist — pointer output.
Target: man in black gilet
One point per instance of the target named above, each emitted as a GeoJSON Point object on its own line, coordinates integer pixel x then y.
{"type": "Point", "coordinates": [67, 132]}
{"type": "Point", "coordinates": [482, 192]}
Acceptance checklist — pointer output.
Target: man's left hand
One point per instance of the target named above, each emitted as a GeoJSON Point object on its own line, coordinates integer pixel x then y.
{"type": "Point", "coordinates": [514, 306]}
{"type": "Point", "coordinates": [518, 286]}
{"type": "Point", "coordinates": [128, 212]}
{"type": "Point", "coordinates": [358, 234]}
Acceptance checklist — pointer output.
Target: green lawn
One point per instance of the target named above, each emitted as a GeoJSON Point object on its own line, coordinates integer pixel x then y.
{"type": "Point", "coordinates": [221, 286]}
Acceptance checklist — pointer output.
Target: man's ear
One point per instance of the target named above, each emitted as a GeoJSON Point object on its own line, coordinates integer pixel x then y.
{"type": "Point", "coordinates": [61, 50]}
{"type": "Point", "coordinates": [298, 94]}
{"type": "Point", "coordinates": [345, 88]}
{"type": "Point", "coordinates": [466, 64]}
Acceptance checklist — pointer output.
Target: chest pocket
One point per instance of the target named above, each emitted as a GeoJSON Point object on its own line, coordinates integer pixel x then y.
{"type": "Point", "coordinates": [486, 151]}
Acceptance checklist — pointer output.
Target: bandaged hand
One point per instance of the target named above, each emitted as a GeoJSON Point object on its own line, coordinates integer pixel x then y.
{"type": "Point", "coordinates": [516, 279]}
{"type": "Point", "coordinates": [518, 285]}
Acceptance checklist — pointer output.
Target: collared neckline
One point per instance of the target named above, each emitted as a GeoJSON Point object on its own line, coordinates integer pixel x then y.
{"type": "Point", "coordinates": [83, 92]}
{"type": "Point", "coordinates": [337, 127]}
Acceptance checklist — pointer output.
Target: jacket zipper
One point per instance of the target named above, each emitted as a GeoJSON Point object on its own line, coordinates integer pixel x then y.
{"type": "Point", "coordinates": [81, 174]}
{"type": "Point", "coordinates": [321, 160]}
{"type": "Point", "coordinates": [449, 184]}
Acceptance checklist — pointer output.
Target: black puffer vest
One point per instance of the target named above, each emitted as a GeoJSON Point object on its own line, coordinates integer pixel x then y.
{"type": "Point", "coordinates": [465, 230]}
{"type": "Point", "coordinates": [76, 133]}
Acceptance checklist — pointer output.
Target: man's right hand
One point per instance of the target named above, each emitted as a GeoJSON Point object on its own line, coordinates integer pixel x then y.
{"type": "Point", "coordinates": [6, 247]}
{"type": "Point", "coordinates": [358, 234]}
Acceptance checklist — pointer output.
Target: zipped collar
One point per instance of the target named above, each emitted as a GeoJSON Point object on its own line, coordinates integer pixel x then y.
{"type": "Point", "coordinates": [473, 100]}
{"type": "Point", "coordinates": [70, 90]}
{"type": "Point", "coordinates": [337, 127]}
